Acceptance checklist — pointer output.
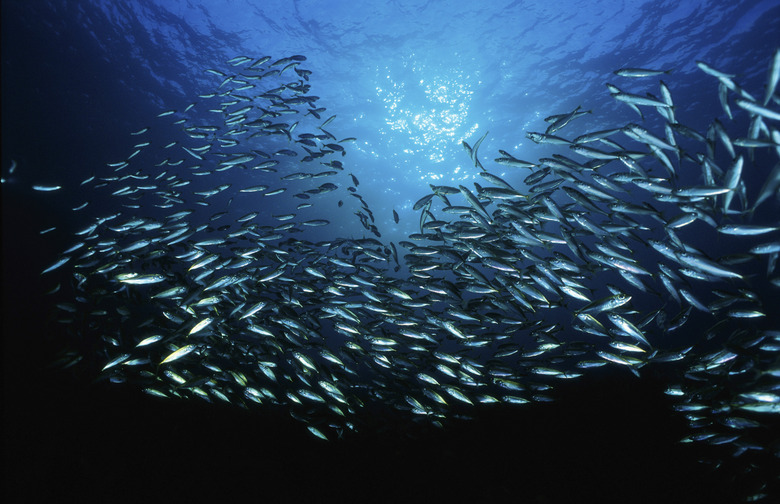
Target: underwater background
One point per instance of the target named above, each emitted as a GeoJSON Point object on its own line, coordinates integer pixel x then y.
{"type": "Point", "coordinates": [532, 411]}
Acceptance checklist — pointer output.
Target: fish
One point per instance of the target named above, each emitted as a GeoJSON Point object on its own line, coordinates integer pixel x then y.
{"type": "Point", "coordinates": [149, 340]}
{"type": "Point", "coordinates": [773, 76]}
{"type": "Point", "coordinates": [472, 151]}
{"type": "Point", "coordinates": [200, 326]}
{"type": "Point", "coordinates": [60, 262]}
{"type": "Point", "coordinates": [712, 71]}
{"type": "Point", "coordinates": [633, 99]}
{"type": "Point", "coordinates": [595, 256]}
{"type": "Point", "coordinates": [639, 72]}
{"type": "Point", "coordinates": [138, 279]}
{"type": "Point", "coordinates": [627, 328]}
{"type": "Point", "coordinates": [758, 110]}
{"type": "Point", "coordinates": [558, 122]}
{"type": "Point", "coordinates": [746, 229]}
{"type": "Point", "coordinates": [178, 354]}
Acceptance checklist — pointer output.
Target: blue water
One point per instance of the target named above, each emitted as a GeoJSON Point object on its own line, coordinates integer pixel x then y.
{"type": "Point", "coordinates": [410, 81]}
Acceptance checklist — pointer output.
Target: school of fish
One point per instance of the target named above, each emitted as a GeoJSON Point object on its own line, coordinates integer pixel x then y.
{"type": "Point", "coordinates": [210, 273]}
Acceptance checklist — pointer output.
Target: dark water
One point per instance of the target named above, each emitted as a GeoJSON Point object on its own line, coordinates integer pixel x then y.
{"type": "Point", "coordinates": [410, 81]}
